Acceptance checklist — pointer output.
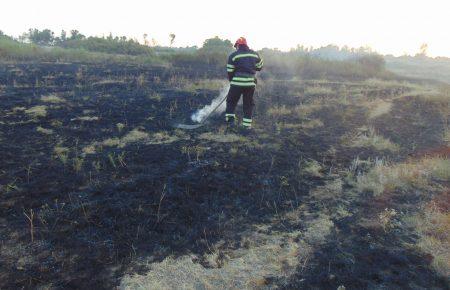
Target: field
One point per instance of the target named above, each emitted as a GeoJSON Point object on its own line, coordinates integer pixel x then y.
{"type": "Point", "coordinates": [343, 185]}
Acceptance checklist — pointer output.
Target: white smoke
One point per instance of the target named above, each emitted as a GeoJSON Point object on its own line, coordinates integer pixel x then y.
{"type": "Point", "coordinates": [202, 113]}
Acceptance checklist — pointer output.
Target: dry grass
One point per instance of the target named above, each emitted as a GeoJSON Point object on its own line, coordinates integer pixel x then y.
{"type": "Point", "coordinates": [155, 97]}
{"type": "Point", "coordinates": [279, 111]}
{"type": "Point", "coordinates": [54, 99]}
{"type": "Point", "coordinates": [330, 190]}
{"type": "Point", "coordinates": [318, 230]}
{"type": "Point", "coordinates": [136, 135]}
{"type": "Point", "coordinates": [446, 136]}
{"type": "Point", "coordinates": [44, 130]}
{"type": "Point", "coordinates": [61, 153]}
{"type": "Point", "coordinates": [108, 82]}
{"type": "Point", "coordinates": [18, 109]}
{"type": "Point", "coordinates": [318, 91]}
{"type": "Point", "coordinates": [85, 118]}
{"type": "Point", "coordinates": [120, 126]}
{"type": "Point", "coordinates": [306, 124]}
{"type": "Point", "coordinates": [403, 176]}
{"type": "Point", "coordinates": [378, 108]}
{"type": "Point", "coordinates": [367, 137]}
{"type": "Point", "coordinates": [222, 138]}
{"type": "Point", "coordinates": [37, 111]}
{"type": "Point", "coordinates": [386, 84]}
{"type": "Point", "coordinates": [305, 110]}
{"type": "Point", "coordinates": [432, 225]}
{"type": "Point", "coordinates": [242, 269]}
{"type": "Point", "coordinates": [311, 124]}
{"type": "Point", "coordinates": [263, 254]}
{"type": "Point", "coordinates": [202, 84]}
{"type": "Point", "coordinates": [311, 167]}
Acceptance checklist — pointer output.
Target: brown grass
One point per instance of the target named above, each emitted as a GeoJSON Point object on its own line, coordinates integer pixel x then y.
{"type": "Point", "coordinates": [404, 176]}
{"type": "Point", "coordinates": [432, 225]}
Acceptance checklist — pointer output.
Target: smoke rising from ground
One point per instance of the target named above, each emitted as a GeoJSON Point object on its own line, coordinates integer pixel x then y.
{"type": "Point", "coordinates": [202, 113]}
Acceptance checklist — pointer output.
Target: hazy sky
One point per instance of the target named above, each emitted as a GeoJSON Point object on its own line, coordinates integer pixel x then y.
{"type": "Point", "coordinates": [388, 26]}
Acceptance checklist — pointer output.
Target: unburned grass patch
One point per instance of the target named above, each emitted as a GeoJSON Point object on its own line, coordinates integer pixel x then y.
{"type": "Point", "coordinates": [378, 108]}
{"type": "Point", "coordinates": [18, 109]}
{"type": "Point", "coordinates": [262, 256]}
{"type": "Point", "coordinates": [368, 137]}
{"type": "Point", "coordinates": [331, 190]}
{"type": "Point", "coordinates": [432, 225]}
{"type": "Point", "coordinates": [310, 167]}
{"type": "Point", "coordinates": [85, 118]}
{"type": "Point", "coordinates": [279, 111]}
{"type": "Point", "coordinates": [304, 110]}
{"type": "Point", "coordinates": [203, 84]}
{"type": "Point", "coordinates": [44, 130]}
{"type": "Point", "coordinates": [403, 176]}
{"type": "Point", "coordinates": [306, 124]}
{"type": "Point", "coordinates": [61, 153]}
{"type": "Point", "coordinates": [318, 91]}
{"type": "Point", "coordinates": [222, 138]}
{"type": "Point", "coordinates": [37, 111]}
{"type": "Point", "coordinates": [311, 124]}
{"type": "Point", "coordinates": [134, 136]}
{"type": "Point", "coordinates": [54, 99]}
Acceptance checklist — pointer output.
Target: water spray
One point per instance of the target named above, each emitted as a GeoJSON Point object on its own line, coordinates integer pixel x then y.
{"type": "Point", "coordinates": [217, 106]}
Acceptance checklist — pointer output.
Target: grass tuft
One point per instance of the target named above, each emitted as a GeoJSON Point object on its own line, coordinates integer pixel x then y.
{"type": "Point", "coordinates": [44, 130]}
{"type": "Point", "coordinates": [367, 137]}
{"type": "Point", "coordinates": [37, 111]}
{"type": "Point", "coordinates": [432, 225]}
{"type": "Point", "coordinates": [403, 176]}
{"type": "Point", "coordinates": [54, 99]}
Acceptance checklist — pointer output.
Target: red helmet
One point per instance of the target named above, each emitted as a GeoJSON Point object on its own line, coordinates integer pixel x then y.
{"type": "Point", "coordinates": [240, 41]}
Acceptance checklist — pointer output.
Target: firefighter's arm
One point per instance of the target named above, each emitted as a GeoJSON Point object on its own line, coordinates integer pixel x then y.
{"type": "Point", "coordinates": [230, 68]}
{"type": "Point", "coordinates": [259, 63]}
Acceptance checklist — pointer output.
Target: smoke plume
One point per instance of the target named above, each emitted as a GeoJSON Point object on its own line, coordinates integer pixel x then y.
{"type": "Point", "coordinates": [204, 112]}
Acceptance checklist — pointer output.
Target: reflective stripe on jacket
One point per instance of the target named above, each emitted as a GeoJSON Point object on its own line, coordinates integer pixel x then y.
{"type": "Point", "coordinates": [242, 66]}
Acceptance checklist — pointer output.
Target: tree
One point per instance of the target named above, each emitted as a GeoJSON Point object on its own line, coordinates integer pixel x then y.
{"type": "Point", "coordinates": [44, 37]}
{"type": "Point", "coordinates": [145, 39]}
{"type": "Point", "coordinates": [171, 38]}
{"type": "Point", "coordinates": [154, 42]}
{"type": "Point", "coordinates": [217, 45]}
{"type": "Point", "coordinates": [423, 51]}
{"type": "Point", "coordinates": [63, 35]}
{"type": "Point", "coordinates": [4, 36]}
{"type": "Point", "coordinates": [76, 35]}
{"type": "Point", "coordinates": [215, 50]}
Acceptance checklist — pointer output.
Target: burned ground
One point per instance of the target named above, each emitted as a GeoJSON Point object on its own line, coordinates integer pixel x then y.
{"type": "Point", "coordinates": [99, 190]}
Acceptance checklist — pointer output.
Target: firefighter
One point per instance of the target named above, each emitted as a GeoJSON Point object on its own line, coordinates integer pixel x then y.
{"type": "Point", "coordinates": [241, 67]}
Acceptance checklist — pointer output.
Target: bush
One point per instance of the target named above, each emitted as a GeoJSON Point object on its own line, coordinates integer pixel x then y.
{"type": "Point", "coordinates": [298, 63]}
{"type": "Point", "coordinates": [113, 45]}
{"type": "Point", "coordinates": [12, 50]}
{"type": "Point", "coordinates": [44, 37]}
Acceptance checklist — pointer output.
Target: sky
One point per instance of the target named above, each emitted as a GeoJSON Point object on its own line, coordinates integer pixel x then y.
{"type": "Point", "coordinates": [389, 27]}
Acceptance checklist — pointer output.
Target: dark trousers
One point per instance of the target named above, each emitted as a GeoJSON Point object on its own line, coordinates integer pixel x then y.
{"type": "Point", "coordinates": [234, 94]}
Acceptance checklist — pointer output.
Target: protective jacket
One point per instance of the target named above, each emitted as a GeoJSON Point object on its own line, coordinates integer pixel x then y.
{"type": "Point", "coordinates": [242, 66]}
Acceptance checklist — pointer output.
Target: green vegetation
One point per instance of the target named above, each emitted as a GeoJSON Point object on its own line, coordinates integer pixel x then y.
{"type": "Point", "coordinates": [36, 45]}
